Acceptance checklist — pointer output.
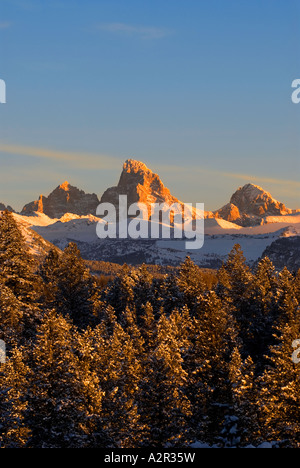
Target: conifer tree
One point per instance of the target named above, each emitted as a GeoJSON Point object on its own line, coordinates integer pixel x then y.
{"type": "Point", "coordinates": [280, 389]}
{"type": "Point", "coordinates": [130, 326]}
{"type": "Point", "coordinates": [143, 292]}
{"type": "Point", "coordinates": [148, 328]}
{"type": "Point", "coordinates": [287, 303]}
{"type": "Point", "coordinates": [21, 286]}
{"type": "Point", "coordinates": [49, 272]}
{"type": "Point", "coordinates": [214, 338]}
{"type": "Point", "coordinates": [245, 397]}
{"type": "Point", "coordinates": [76, 290]}
{"type": "Point", "coordinates": [166, 295]}
{"type": "Point", "coordinates": [14, 381]}
{"type": "Point", "coordinates": [120, 292]}
{"type": "Point", "coordinates": [234, 278]}
{"type": "Point", "coordinates": [165, 407]}
{"type": "Point", "coordinates": [259, 313]}
{"type": "Point", "coordinates": [16, 263]}
{"type": "Point", "coordinates": [116, 362]}
{"type": "Point", "coordinates": [64, 397]}
{"type": "Point", "coordinates": [190, 282]}
{"type": "Point", "coordinates": [11, 317]}
{"type": "Point", "coordinates": [297, 285]}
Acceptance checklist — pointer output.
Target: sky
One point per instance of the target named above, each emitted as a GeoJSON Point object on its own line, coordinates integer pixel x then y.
{"type": "Point", "coordinates": [199, 90]}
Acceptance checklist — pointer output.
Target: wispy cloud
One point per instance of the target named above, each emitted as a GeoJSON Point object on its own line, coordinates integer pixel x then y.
{"type": "Point", "coordinates": [250, 178]}
{"type": "Point", "coordinates": [77, 160]}
{"type": "Point", "coordinates": [266, 180]}
{"type": "Point", "coordinates": [191, 175]}
{"type": "Point", "coordinates": [102, 161]}
{"type": "Point", "coordinates": [143, 32]}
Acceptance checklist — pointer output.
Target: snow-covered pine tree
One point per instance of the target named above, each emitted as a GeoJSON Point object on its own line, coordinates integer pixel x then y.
{"type": "Point", "coordinates": [165, 408]}
{"type": "Point", "coordinates": [17, 273]}
{"type": "Point", "coordinates": [148, 328]}
{"type": "Point", "coordinates": [143, 292]}
{"type": "Point", "coordinates": [130, 326]}
{"type": "Point", "coordinates": [11, 317]}
{"type": "Point", "coordinates": [279, 399]}
{"type": "Point", "coordinates": [14, 382]}
{"type": "Point", "coordinates": [48, 271]}
{"type": "Point", "coordinates": [286, 296]}
{"type": "Point", "coordinates": [280, 383]}
{"type": "Point", "coordinates": [245, 429]}
{"type": "Point", "coordinates": [120, 292]}
{"type": "Point", "coordinates": [214, 338]}
{"type": "Point", "coordinates": [166, 295]}
{"type": "Point", "coordinates": [234, 278]}
{"type": "Point", "coordinates": [190, 282]}
{"type": "Point", "coordinates": [234, 287]}
{"type": "Point", "coordinates": [259, 313]}
{"type": "Point", "coordinates": [76, 295]}
{"type": "Point", "coordinates": [116, 361]}
{"type": "Point", "coordinates": [297, 285]}
{"type": "Point", "coordinates": [64, 396]}
{"type": "Point", "coordinates": [16, 263]}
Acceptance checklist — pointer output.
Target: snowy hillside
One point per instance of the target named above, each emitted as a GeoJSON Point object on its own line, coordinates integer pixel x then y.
{"type": "Point", "coordinates": [220, 237]}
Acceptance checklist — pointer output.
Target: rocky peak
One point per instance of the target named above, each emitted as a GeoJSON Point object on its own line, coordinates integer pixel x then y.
{"type": "Point", "coordinates": [65, 186]}
{"type": "Point", "coordinates": [3, 208]}
{"type": "Point", "coordinates": [64, 199]}
{"type": "Point", "coordinates": [132, 166]}
{"type": "Point", "coordinates": [253, 200]}
{"type": "Point", "coordinates": [140, 184]}
{"type": "Point", "coordinates": [249, 205]}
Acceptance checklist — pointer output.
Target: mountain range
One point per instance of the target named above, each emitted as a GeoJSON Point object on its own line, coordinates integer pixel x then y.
{"type": "Point", "coordinates": [250, 205]}
{"type": "Point", "coordinates": [252, 218]}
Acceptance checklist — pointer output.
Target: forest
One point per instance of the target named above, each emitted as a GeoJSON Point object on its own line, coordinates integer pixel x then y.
{"type": "Point", "coordinates": [144, 360]}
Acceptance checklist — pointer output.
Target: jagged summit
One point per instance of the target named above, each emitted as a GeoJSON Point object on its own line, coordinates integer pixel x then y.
{"type": "Point", "coordinates": [65, 186]}
{"type": "Point", "coordinates": [140, 184]}
{"type": "Point", "coordinates": [249, 205]}
{"type": "Point", "coordinates": [64, 199]}
{"type": "Point", "coordinates": [4, 207]}
{"type": "Point", "coordinates": [132, 165]}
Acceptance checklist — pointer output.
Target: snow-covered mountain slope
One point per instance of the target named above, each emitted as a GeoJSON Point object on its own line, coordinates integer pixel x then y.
{"type": "Point", "coordinates": [220, 237]}
{"type": "Point", "coordinates": [37, 244]}
{"type": "Point", "coordinates": [252, 218]}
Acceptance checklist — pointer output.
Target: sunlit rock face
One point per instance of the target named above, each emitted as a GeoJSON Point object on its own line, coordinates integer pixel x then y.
{"type": "Point", "coordinates": [249, 205]}
{"type": "Point", "coordinates": [141, 185]}
{"type": "Point", "coordinates": [64, 199]}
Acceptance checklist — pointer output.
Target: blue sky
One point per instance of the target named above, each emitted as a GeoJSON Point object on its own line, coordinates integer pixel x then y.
{"type": "Point", "coordinates": [199, 90]}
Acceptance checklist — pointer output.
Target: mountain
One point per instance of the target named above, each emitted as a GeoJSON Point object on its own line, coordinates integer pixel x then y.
{"type": "Point", "coordinates": [141, 185]}
{"type": "Point", "coordinates": [250, 205]}
{"type": "Point", "coordinates": [3, 208]}
{"type": "Point", "coordinates": [38, 246]}
{"type": "Point", "coordinates": [64, 199]}
{"type": "Point", "coordinates": [284, 252]}
{"type": "Point", "coordinates": [252, 218]}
